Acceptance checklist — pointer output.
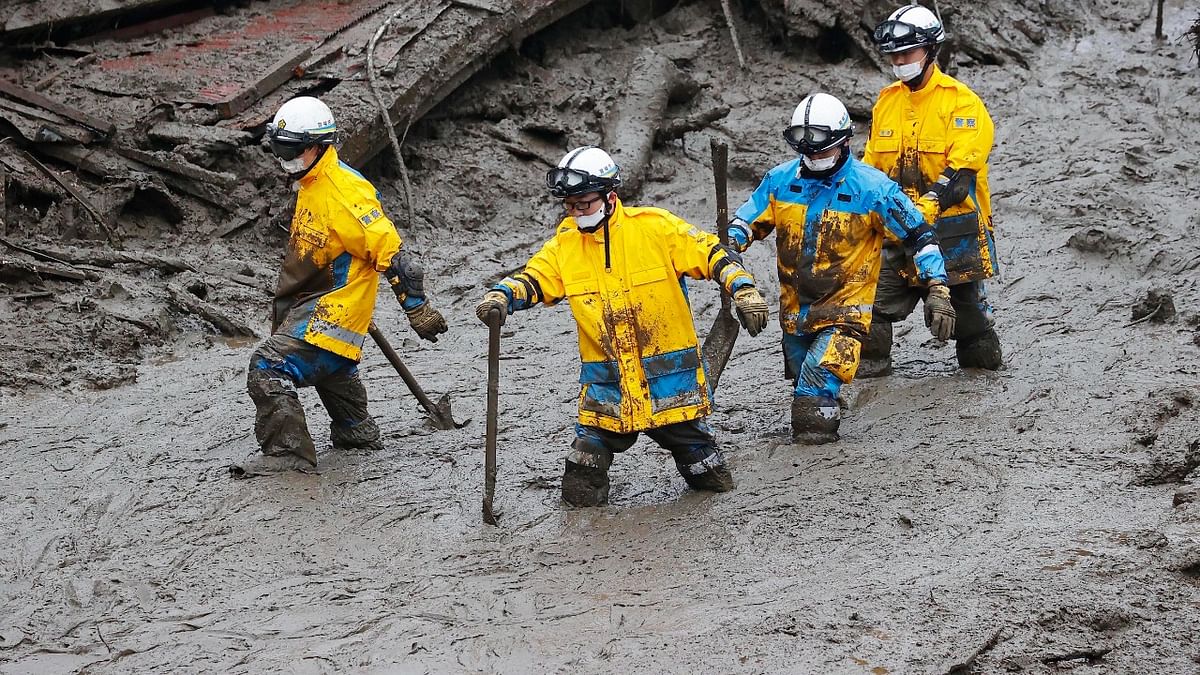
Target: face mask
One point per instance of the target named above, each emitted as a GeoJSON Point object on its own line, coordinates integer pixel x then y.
{"type": "Point", "coordinates": [589, 222]}
{"type": "Point", "coordinates": [293, 166]}
{"type": "Point", "coordinates": [820, 165]}
{"type": "Point", "coordinates": [909, 71]}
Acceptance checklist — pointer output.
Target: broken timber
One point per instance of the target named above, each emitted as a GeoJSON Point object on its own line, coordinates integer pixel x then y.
{"type": "Point", "coordinates": [35, 99]}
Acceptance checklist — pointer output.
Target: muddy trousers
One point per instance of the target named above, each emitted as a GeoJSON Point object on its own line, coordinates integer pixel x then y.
{"type": "Point", "coordinates": [692, 444]}
{"type": "Point", "coordinates": [976, 343]}
{"type": "Point", "coordinates": [281, 365]}
{"type": "Point", "coordinates": [820, 363]}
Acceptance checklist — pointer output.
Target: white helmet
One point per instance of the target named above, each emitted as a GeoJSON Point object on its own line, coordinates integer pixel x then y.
{"type": "Point", "coordinates": [819, 123]}
{"type": "Point", "coordinates": [907, 28]}
{"type": "Point", "coordinates": [300, 123]}
{"type": "Point", "coordinates": [583, 170]}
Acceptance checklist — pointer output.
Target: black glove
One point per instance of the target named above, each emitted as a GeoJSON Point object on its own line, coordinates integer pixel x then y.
{"type": "Point", "coordinates": [407, 279]}
{"type": "Point", "coordinates": [939, 313]}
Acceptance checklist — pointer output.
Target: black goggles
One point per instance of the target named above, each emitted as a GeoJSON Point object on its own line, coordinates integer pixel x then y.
{"type": "Point", "coordinates": [564, 182]}
{"type": "Point", "coordinates": [894, 36]}
{"type": "Point", "coordinates": [287, 150]}
{"type": "Point", "coordinates": [807, 139]}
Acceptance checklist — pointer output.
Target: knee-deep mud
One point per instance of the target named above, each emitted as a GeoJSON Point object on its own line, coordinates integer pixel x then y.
{"type": "Point", "coordinates": [1036, 519]}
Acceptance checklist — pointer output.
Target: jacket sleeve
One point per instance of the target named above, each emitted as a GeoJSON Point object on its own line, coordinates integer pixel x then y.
{"type": "Point", "coordinates": [366, 232]}
{"type": "Point", "coordinates": [968, 143]}
{"type": "Point", "coordinates": [902, 219]}
{"type": "Point", "coordinates": [539, 282]}
{"type": "Point", "coordinates": [699, 255]}
{"type": "Point", "coordinates": [759, 210]}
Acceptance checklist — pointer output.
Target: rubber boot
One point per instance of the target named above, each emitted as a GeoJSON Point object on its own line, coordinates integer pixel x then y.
{"type": "Point", "coordinates": [703, 468]}
{"type": "Point", "coordinates": [361, 436]}
{"type": "Point", "coordinates": [716, 479]}
{"type": "Point", "coordinates": [584, 485]}
{"type": "Point", "coordinates": [876, 358]}
{"type": "Point", "coordinates": [815, 420]}
{"type": "Point", "coordinates": [980, 351]}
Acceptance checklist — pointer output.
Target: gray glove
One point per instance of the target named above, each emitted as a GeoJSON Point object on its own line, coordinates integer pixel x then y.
{"type": "Point", "coordinates": [426, 321]}
{"type": "Point", "coordinates": [751, 309]}
{"type": "Point", "coordinates": [939, 313]}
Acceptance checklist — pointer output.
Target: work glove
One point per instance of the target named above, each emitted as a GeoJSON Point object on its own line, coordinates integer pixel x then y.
{"type": "Point", "coordinates": [426, 321]}
{"type": "Point", "coordinates": [751, 309]}
{"type": "Point", "coordinates": [493, 301]}
{"type": "Point", "coordinates": [939, 313]}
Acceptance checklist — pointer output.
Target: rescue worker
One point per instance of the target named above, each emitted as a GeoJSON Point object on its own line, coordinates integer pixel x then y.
{"type": "Point", "coordinates": [622, 270]}
{"type": "Point", "coordinates": [830, 212]}
{"type": "Point", "coordinates": [932, 135]}
{"type": "Point", "coordinates": [339, 243]}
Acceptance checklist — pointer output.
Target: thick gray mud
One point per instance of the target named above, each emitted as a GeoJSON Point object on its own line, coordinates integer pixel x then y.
{"type": "Point", "coordinates": [1033, 520]}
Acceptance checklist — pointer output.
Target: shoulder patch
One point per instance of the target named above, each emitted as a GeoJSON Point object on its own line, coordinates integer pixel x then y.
{"type": "Point", "coordinates": [370, 217]}
{"type": "Point", "coordinates": [964, 122]}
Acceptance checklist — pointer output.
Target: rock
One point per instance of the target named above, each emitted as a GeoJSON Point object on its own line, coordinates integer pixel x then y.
{"type": "Point", "coordinates": [1157, 306]}
{"type": "Point", "coordinates": [1185, 496]}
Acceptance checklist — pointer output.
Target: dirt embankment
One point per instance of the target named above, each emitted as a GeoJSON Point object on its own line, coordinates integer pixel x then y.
{"type": "Point", "coordinates": [1032, 520]}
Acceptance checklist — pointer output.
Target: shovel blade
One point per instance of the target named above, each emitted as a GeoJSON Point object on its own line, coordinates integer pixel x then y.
{"type": "Point", "coordinates": [718, 345]}
{"type": "Point", "coordinates": [441, 417]}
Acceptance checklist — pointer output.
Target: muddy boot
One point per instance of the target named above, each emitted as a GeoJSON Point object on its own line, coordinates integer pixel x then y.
{"type": "Point", "coordinates": [815, 420]}
{"type": "Point", "coordinates": [876, 358]}
{"type": "Point", "coordinates": [268, 465]}
{"type": "Point", "coordinates": [279, 423]}
{"type": "Point", "coordinates": [704, 469]}
{"type": "Point", "coordinates": [980, 351]}
{"type": "Point", "coordinates": [584, 485]}
{"type": "Point", "coordinates": [361, 436]}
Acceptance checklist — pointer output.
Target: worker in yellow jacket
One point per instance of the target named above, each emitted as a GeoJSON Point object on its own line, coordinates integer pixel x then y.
{"type": "Point", "coordinates": [623, 269]}
{"type": "Point", "coordinates": [339, 243]}
{"type": "Point", "coordinates": [932, 135]}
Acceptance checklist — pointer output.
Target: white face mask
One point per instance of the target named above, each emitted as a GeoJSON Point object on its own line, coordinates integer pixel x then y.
{"type": "Point", "coordinates": [592, 220]}
{"type": "Point", "coordinates": [293, 166]}
{"type": "Point", "coordinates": [820, 164]}
{"type": "Point", "coordinates": [909, 71]}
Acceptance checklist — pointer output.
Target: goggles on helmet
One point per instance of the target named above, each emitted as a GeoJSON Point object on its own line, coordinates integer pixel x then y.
{"type": "Point", "coordinates": [288, 145]}
{"type": "Point", "coordinates": [814, 138]}
{"type": "Point", "coordinates": [564, 182]}
{"type": "Point", "coordinates": [897, 36]}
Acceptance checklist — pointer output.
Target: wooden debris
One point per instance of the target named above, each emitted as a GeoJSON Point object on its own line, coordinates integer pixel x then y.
{"type": "Point", "coordinates": [113, 238]}
{"type": "Point", "coordinates": [281, 71]}
{"type": "Point", "coordinates": [40, 125]}
{"type": "Point", "coordinates": [188, 302]}
{"type": "Point", "coordinates": [12, 268]}
{"type": "Point", "coordinates": [637, 115]}
{"type": "Point", "coordinates": [678, 127]}
{"type": "Point", "coordinates": [967, 665]}
{"type": "Point", "coordinates": [737, 45]}
{"type": "Point", "coordinates": [108, 258]}
{"type": "Point", "coordinates": [35, 99]}
{"type": "Point", "coordinates": [172, 163]}
{"type": "Point", "coordinates": [49, 79]}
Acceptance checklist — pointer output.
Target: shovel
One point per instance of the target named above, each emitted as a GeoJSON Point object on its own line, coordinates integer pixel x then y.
{"type": "Point", "coordinates": [719, 343]}
{"type": "Point", "coordinates": [493, 390]}
{"type": "Point", "coordinates": [439, 412]}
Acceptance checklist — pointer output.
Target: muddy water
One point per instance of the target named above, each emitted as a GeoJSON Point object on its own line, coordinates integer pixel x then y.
{"type": "Point", "coordinates": [958, 508]}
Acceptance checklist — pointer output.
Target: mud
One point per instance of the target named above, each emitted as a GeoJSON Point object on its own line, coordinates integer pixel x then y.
{"type": "Point", "coordinates": [1035, 519]}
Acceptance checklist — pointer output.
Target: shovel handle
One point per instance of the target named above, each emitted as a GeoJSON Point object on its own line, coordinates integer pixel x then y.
{"type": "Point", "coordinates": [394, 359]}
{"type": "Point", "coordinates": [493, 404]}
{"type": "Point", "coordinates": [720, 165]}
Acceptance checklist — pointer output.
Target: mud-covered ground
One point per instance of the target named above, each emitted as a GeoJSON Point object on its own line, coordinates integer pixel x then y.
{"type": "Point", "coordinates": [1036, 519]}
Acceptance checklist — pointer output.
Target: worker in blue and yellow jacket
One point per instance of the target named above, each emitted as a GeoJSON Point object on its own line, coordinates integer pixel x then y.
{"type": "Point", "coordinates": [932, 135]}
{"type": "Point", "coordinates": [340, 241]}
{"type": "Point", "coordinates": [830, 213]}
{"type": "Point", "coordinates": [622, 270]}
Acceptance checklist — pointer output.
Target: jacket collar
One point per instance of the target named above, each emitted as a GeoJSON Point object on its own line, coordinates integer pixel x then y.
{"type": "Point", "coordinates": [328, 160]}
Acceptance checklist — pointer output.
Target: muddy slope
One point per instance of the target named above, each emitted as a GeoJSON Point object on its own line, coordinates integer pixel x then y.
{"type": "Point", "coordinates": [1033, 520]}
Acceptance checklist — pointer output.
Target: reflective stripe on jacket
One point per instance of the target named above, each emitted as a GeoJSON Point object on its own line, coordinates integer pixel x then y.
{"type": "Point", "coordinates": [915, 136]}
{"type": "Point", "coordinates": [340, 240]}
{"type": "Point", "coordinates": [829, 233]}
{"type": "Point", "coordinates": [641, 366]}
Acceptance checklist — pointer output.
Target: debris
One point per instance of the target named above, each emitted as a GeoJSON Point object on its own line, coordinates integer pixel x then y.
{"type": "Point", "coordinates": [107, 258]}
{"type": "Point", "coordinates": [188, 302]}
{"type": "Point", "coordinates": [385, 114]}
{"type": "Point", "coordinates": [1193, 35]}
{"type": "Point", "coordinates": [113, 238]}
{"type": "Point", "coordinates": [967, 665]}
{"type": "Point", "coordinates": [1090, 655]}
{"type": "Point", "coordinates": [1099, 240]}
{"type": "Point", "coordinates": [1187, 495]}
{"type": "Point", "coordinates": [630, 129]}
{"type": "Point", "coordinates": [35, 99]}
{"type": "Point", "coordinates": [11, 268]}
{"type": "Point", "coordinates": [174, 164]}
{"type": "Point", "coordinates": [1157, 306]}
{"type": "Point", "coordinates": [277, 74]}
{"type": "Point", "coordinates": [737, 45]}
{"type": "Point", "coordinates": [49, 79]}
{"type": "Point", "coordinates": [676, 128]}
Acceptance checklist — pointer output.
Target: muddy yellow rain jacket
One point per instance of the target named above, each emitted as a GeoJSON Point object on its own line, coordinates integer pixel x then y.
{"type": "Point", "coordinates": [637, 343]}
{"type": "Point", "coordinates": [340, 241]}
{"type": "Point", "coordinates": [829, 232]}
{"type": "Point", "coordinates": [915, 136]}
